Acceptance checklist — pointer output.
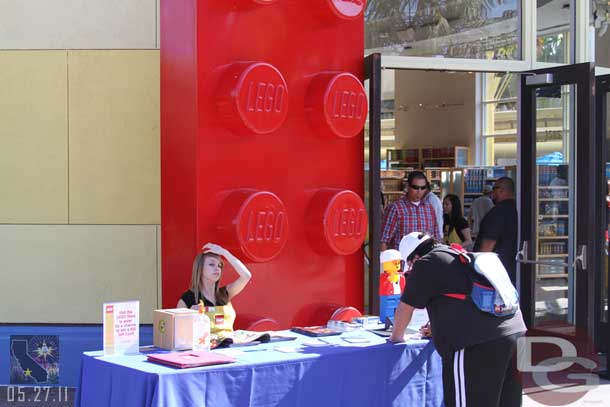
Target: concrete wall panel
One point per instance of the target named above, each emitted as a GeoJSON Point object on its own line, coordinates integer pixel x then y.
{"type": "Point", "coordinates": [33, 137]}
{"type": "Point", "coordinates": [77, 24]}
{"type": "Point", "coordinates": [64, 273]}
{"type": "Point", "coordinates": [114, 137]}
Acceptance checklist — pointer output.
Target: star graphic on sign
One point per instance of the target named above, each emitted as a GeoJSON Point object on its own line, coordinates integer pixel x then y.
{"type": "Point", "coordinates": [28, 372]}
{"type": "Point", "coordinates": [44, 351]}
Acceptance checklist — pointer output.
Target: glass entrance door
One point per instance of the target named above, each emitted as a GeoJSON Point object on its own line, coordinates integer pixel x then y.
{"type": "Point", "coordinates": [602, 88]}
{"type": "Point", "coordinates": [557, 254]}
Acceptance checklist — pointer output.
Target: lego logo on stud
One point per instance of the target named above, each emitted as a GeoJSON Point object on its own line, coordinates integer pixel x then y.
{"type": "Point", "coordinates": [337, 103]}
{"type": "Point", "coordinates": [253, 98]}
{"type": "Point", "coordinates": [345, 222]}
{"type": "Point", "coordinates": [337, 221]}
{"type": "Point", "coordinates": [346, 9]}
{"type": "Point", "coordinates": [255, 223]}
{"type": "Point", "coordinates": [262, 226]}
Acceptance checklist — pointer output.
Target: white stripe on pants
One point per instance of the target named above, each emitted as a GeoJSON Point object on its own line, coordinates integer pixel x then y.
{"type": "Point", "coordinates": [458, 378]}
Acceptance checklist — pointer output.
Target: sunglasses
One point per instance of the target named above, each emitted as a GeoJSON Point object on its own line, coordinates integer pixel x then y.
{"type": "Point", "coordinates": [420, 187]}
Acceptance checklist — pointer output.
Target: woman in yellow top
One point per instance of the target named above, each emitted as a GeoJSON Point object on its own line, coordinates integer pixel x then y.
{"type": "Point", "coordinates": [207, 270]}
{"type": "Point", "coordinates": [455, 227]}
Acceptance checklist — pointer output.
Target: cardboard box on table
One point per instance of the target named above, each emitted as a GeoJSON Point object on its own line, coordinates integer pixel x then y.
{"type": "Point", "coordinates": [173, 328]}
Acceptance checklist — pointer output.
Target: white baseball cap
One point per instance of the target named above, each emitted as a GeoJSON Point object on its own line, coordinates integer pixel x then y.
{"type": "Point", "coordinates": [410, 242]}
{"type": "Point", "coordinates": [389, 255]}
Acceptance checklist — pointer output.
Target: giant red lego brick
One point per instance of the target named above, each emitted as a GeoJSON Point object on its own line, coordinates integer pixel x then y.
{"type": "Point", "coordinates": [262, 110]}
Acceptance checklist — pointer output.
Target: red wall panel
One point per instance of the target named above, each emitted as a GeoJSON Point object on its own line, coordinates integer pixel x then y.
{"type": "Point", "coordinates": [262, 151]}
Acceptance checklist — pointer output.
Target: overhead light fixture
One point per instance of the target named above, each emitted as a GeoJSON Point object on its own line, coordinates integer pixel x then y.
{"type": "Point", "coordinates": [429, 106]}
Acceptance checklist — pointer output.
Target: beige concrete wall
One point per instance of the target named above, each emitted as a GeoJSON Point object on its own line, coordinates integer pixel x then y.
{"type": "Point", "coordinates": [114, 137]}
{"type": "Point", "coordinates": [80, 145]}
{"type": "Point", "coordinates": [78, 24]}
{"type": "Point", "coordinates": [434, 126]}
{"type": "Point", "coordinates": [65, 273]}
{"type": "Point", "coordinates": [33, 137]}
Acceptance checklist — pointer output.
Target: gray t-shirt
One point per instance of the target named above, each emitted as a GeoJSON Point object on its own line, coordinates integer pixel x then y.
{"type": "Point", "coordinates": [437, 204]}
{"type": "Point", "coordinates": [478, 210]}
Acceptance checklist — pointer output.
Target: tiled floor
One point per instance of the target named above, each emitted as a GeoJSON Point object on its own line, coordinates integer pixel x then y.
{"type": "Point", "coordinates": [596, 396]}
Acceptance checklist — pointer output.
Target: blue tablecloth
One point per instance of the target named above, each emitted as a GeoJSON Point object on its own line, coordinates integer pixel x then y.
{"type": "Point", "coordinates": [337, 373]}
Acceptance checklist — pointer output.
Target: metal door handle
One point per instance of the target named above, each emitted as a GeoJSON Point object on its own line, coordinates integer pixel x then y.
{"type": "Point", "coordinates": [522, 254]}
{"type": "Point", "coordinates": [582, 257]}
{"type": "Point", "coordinates": [521, 257]}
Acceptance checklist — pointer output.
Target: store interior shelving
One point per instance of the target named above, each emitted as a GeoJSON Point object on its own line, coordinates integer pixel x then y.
{"type": "Point", "coordinates": [552, 225]}
{"type": "Point", "coordinates": [446, 157]}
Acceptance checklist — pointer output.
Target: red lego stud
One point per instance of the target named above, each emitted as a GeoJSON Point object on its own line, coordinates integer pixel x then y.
{"type": "Point", "coordinates": [254, 223]}
{"type": "Point", "coordinates": [336, 104]}
{"type": "Point", "coordinates": [252, 98]}
{"type": "Point", "coordinates": [336, 222]}
{"type": "Point", "coordinates": [342, 9]}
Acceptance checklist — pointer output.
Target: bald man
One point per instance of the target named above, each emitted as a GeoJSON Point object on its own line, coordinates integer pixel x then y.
{"type": "Point", "coordinates": [498, 230]}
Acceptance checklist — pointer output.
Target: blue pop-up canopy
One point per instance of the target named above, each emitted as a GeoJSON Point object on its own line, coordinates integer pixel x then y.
{"type": "Point", "coordinates": [555, 158]}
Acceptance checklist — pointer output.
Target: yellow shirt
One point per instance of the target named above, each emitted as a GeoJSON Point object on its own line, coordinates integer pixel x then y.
{"type": "Point", "coordinates": [452, 237]}
{"type": "Point", "coordinates": [222, 318]}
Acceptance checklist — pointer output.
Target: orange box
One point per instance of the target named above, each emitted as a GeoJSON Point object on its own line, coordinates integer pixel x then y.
{"type": "Point", "coordinates": [173, 328]}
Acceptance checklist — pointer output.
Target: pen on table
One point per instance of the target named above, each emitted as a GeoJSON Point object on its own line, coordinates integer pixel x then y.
{"type": "Point", "coordinates": [255, 350]}
{"type": "Point", "coordinates": [424, 331]}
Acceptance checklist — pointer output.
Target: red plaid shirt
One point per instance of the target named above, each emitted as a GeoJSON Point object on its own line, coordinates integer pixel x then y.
{"type": "Point", "coordinates": [403, 217]}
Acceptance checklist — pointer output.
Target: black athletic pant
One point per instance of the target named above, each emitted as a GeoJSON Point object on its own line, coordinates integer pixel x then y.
{"type": "Point", "coordinates": [483, 375]}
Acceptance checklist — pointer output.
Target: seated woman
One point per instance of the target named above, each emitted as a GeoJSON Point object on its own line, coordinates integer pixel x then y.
{"type": "Point", "coordinates": [207, 269]}
{"type": "Point", "coordinates": [455, 227]}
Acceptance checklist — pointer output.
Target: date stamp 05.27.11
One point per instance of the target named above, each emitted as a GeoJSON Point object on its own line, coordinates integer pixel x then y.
{"type": "Point", "coordinates": [56, 396]}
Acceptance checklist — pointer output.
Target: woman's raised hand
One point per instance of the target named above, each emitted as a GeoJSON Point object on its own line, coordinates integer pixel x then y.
{"type": "Point", "coordinates": [236, 286]}
{"type": "Point", "coordinates": [214, 248]}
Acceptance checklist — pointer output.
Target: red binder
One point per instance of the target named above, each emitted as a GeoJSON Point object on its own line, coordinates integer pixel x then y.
{"type": "Point", "coordinates": [183, 360]}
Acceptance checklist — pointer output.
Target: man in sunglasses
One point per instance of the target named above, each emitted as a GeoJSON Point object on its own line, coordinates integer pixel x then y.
{"type": "Point", "coordinates": [410, 214]}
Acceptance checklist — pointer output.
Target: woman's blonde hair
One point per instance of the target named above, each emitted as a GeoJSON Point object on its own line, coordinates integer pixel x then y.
{"type": "Point", "coordinates": [197, 284]}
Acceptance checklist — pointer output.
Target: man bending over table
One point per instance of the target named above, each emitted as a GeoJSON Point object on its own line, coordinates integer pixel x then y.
{"type": "Point", "coordinates": [476, 347]}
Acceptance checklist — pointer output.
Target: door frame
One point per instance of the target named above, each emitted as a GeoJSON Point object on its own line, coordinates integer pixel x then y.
{"type": "Point", "coordinates": [602, 89]}
{"type": "Point", "coordinates": [588, 157]}
{"type": "Point", "coordinates": [372, 73]}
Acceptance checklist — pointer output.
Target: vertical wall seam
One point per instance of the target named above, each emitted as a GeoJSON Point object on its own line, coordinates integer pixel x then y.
{"type": "Point", "coordinates": [157, 28]}
{"type": "Point", "coordinates": [158, 255]}
{"type": "Point", "coordinates": [68, 128]}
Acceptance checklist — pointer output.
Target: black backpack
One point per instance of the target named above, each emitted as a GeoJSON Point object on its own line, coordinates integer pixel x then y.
{"type": "Point", "coordinates": [492, 290]}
